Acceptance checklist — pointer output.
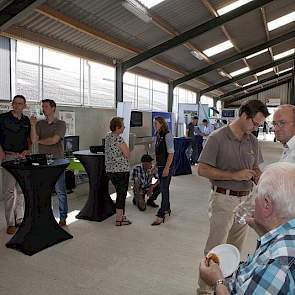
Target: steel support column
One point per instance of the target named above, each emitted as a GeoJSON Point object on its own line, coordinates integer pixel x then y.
{"type": "Point", "coordinates": [170, 96]}
{"type": "Point", "coordinates": [119, 83]}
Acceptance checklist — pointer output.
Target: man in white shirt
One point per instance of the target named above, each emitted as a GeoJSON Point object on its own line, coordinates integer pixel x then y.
{"type": "Point", "coordinates": [284, 128]}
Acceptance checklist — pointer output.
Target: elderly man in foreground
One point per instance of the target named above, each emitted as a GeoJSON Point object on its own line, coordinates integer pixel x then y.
{"type": "Point", "coordinates": [271, 270]}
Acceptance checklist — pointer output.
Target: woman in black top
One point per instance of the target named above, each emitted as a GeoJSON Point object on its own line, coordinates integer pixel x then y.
{"type": "Point", "coordinates": [164, 156]}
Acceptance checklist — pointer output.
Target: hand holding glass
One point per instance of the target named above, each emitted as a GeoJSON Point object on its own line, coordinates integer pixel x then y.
{"type": "Point", "coordinates": [49, 158]}
{"type": "Point", "coordinates": [245, 209]}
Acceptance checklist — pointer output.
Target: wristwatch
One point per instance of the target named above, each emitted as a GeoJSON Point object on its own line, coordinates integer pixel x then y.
{"type": "Point", "coordinates": [219, 282]}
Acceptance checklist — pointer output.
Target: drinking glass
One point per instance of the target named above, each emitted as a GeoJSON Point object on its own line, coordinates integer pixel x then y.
{"type": "Point", "coordinates": [246, 208]}
{"type": "Point", "coordinates": [49, 158]}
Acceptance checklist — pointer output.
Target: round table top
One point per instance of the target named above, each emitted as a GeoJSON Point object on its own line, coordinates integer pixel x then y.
{"type": "Point", "coordinates": [25, 165]}
{"type": "Point", "coordinates": [87, 153]}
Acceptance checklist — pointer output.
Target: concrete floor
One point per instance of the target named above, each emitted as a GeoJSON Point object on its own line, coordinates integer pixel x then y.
{"type": "Point", "coordinates": [137, 259]}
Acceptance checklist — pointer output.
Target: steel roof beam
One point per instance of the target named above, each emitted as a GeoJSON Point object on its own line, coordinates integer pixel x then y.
{"type": "Point", "coordinates": [270, 86]}
{"type": "Point", "coordinates": [233, 58]}
{"type": "Point", "coordinates": [245, 75]}
{"type": "Point", "coordinates": [15, 10]}
{"type": "Point", "coordinates": [192, 33]}
{"type": "Point", "coordinates": [260, 82]}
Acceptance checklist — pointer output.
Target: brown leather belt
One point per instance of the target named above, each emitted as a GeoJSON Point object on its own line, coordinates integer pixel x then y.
{"type": "Point", "coordinates": [224, 191]}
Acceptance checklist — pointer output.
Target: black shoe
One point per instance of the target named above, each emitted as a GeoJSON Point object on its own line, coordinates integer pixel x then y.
{"type": "Point", "coordinates": [151, 203]}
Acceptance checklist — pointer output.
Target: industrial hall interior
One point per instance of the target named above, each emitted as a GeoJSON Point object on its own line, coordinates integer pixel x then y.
{"type": "Point", "coordinates": [147, 147]}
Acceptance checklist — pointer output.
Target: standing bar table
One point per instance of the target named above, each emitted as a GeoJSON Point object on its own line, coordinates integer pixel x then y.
{"type": "Point", "coordinates": [181, 163]}
{"type": "Point", "coordinates": [39, 229]}
{"type": "Point", "coordinates": [99, 205]}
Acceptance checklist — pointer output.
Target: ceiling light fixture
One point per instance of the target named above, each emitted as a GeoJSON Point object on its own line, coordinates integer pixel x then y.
{"type": "Point", "coordinates": [137, 9]}
{"type": "Point", "coordinates": [197, 55]}
{"type": "Point", "coordinates": [232, 6]}
{"type": "Point", "coordinates": [150, 3]}
{"type": "Point", "coordinates": [240, 71]}
{"type": "Point", "coordinates": [283, 54]}
{"type": "Point", "coordinates": [281, 21]}
{"type": "Point", "coordinates": [264, 72]}
{"type": "Point", "coordinates": [256, 53]}
{"type": "Point", "coordinates": [223, 74]}
{"type": "Point", "coordinates": [218, 48]}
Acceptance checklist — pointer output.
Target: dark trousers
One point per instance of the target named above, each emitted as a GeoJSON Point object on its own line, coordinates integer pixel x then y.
{"type": "Point", "coordinates": [120, 180]}
{"type": "Point", "coordinates": [164, 188]}
{"type": "Point", "coordinates": [199, 146]}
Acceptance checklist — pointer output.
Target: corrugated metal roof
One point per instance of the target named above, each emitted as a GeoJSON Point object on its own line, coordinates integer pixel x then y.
{"type": "Point", "coordinates": [112, 19]}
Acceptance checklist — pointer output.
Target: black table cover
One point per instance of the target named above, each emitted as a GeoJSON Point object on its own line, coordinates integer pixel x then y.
{"type": "Point", "coordinates": [39, 229]}
{"type": "Point", "coordinates": [99, 205]}
{"type": "Point", "coordinates": [181, 163]}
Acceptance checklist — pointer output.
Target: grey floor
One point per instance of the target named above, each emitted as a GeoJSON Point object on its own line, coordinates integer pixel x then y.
{"type": "Point", "coordinates": [107, 260]}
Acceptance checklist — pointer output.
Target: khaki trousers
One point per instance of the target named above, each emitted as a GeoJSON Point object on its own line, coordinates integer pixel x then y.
{"type": "Point", "coordinates": [223, 229]}
{"type": "Point", "coordinates": [13, 197]}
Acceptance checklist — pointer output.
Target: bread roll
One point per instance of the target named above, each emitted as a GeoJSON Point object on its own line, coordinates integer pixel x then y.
{"type": "Point", "coordinates": [213, 257]}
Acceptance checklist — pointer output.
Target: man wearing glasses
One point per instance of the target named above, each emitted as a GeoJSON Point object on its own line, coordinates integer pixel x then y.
{"type": "Point", "coordinates": [230, 161]}
{"type": "Point", "coordinates": [284, 127]}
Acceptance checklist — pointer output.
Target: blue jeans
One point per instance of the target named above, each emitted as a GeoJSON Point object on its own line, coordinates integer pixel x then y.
{"type": "Point", "coordinates": [60, 189]}
{"type": "Point", "coordinates": [164, 188]}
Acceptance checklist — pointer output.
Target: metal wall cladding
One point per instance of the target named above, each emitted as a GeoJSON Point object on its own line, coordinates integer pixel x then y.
{"type": "Point", "coordinates": [5, 93]}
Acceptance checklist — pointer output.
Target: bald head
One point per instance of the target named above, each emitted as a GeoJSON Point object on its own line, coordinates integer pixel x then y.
{"type": "Point", "coordinates": [284, 123]}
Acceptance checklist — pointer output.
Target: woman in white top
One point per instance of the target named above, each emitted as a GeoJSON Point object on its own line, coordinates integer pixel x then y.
{"type": "Point", "coordinates": [117, 166]}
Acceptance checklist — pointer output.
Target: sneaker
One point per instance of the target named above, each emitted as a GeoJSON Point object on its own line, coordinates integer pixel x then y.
{"type": "Point", "coordinates": [11, 230]}
{"type": "Point", "coordinates": [151, 203]}
{"type": "Point", "coordinates": [141, 204]}
{"type": "Point", "coordinates": [62, 222]}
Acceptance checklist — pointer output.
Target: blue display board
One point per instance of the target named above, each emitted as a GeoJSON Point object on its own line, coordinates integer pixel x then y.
{"type": "Point", "coordinates": [166, 115]}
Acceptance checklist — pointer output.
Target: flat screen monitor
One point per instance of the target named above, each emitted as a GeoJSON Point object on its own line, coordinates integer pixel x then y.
{"type": "Point", "coordinates": [71, 144]}
{"type": "Point", "coordinates": [228, 113]}
{"type": "Point", "coordinates": [136, 119]}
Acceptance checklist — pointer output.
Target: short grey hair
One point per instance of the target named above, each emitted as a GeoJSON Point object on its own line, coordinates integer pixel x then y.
{"type": "Point", "coordinates": [287, 106]}
{"type": "Point", "coordinates": [278, 183]}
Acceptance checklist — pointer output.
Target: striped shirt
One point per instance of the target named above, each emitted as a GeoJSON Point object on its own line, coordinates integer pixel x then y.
{"type": "Point", "coordinates": [271, 270]}
{"type": "Point", "coordinates": [144, 177]}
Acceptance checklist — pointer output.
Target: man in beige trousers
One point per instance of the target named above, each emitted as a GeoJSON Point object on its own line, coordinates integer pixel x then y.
{"type": "Point", "coordinates": [230, 161]}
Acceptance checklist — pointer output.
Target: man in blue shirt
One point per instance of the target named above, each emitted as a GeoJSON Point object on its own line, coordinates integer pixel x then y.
{"type": "Point", "coordinates": [271, 270]}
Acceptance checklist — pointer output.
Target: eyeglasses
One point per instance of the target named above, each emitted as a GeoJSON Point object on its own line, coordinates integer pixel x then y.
{"type": "Point", "coordinates": [256, 124]}
{"type": "Point", "coordinates": [281, 123]}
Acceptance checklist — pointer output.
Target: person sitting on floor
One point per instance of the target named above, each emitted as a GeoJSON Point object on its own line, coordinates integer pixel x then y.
{"type": "Point", "coordinates": [142, 176]}
{"type": "Point", "coordinates": [271, 270]}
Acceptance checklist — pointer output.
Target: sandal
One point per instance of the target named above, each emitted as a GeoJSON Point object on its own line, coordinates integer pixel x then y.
{"type": "Point", "coordinates": [123, 221]}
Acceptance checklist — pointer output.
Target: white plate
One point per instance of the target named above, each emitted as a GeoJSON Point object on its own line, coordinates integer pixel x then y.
{"type": "Point", "coordinates": [229, 257]}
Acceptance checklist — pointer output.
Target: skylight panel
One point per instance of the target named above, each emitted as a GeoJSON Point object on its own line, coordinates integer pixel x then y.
{"type": "Point", "coordinates": [218, 48]}
{"type": "Point", "coordinates": [250, 83]}
{"type": "Point", "coordinates": [232, 6]}
{"type": "Point", "coordinates": [256, 53]}
{"type": "Point", "coordinates": [283, 54]}
{"type": "Point", "coordinates": [283, 71]}
{"type": "Point", "coordinates": [150, 3]}
{"type": "Point", "coordinates": [240, 71]}
{"type": "Point", "coordinates": [264, 72]}
{"type": "Point", "coordinates": [281, 21]}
